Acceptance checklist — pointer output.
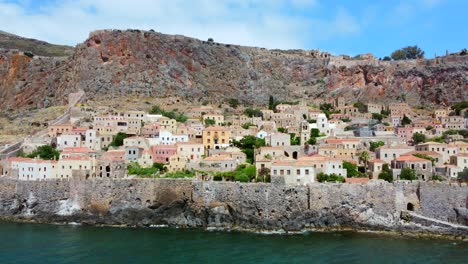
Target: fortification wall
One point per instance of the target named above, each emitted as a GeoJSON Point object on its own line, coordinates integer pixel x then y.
{"type": "Point", "coordinates": [375, 205]}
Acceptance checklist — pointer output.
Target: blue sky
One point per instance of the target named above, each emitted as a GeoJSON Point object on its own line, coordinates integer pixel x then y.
{"type": "Point", "coordinates": [339, 26]}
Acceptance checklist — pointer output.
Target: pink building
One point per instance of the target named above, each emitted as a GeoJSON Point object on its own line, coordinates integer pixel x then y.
{"type": "Point", "coordinates": [151, 130]}
{"type": "Point", "coordinates": [162, 153]}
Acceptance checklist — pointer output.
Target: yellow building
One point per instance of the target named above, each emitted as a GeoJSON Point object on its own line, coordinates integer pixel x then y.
{"type": "Point", "coordinates": [216, 137]}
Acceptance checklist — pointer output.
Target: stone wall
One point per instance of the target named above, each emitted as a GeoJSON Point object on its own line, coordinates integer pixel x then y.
{"type": "Point", "coordinates": [376, 205]}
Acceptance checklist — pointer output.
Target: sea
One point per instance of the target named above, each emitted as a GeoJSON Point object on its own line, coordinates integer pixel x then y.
{"type": "Point", "coordinates": [44, 243]}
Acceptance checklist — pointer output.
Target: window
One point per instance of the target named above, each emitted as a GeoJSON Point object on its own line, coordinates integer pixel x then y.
{"type": "Point", "coordinates": [298, 172]}
{"type": "Point", "coordinates": [307, 172]}
{"type": "Point", "coordinates": [288, 172]}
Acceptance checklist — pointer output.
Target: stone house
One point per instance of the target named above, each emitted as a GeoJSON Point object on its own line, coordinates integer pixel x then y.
{"type": "Point", "coordinates": [69, 140]}
{"type": "Point", "coordinates": [66, 166]}
{"type": "Point", "coordinates": [218, 119]}
{"type": "Point", "coordinates": [389, 153]}
{"type": "Point", "coordinates": [133, 153]}
{"type": "Point", "coordinates": [140, 142]}
{"type": "Point", "coordinates": [375, 108]}
{"type": "Point", "coordinates": [278, 139]}
{"type": "Point", "coordinates": [441, 112]}
{"type": "Point", "coordinates": [460, 160]}
{"type": "Point", "coordinates": [375, 167]}
{"type": "Point", "coordinates": [422, 167]}
{"type": "Point", "coordinates": [326, 165]}
{"type": "Point", "coordinates": [219, 163]}
{"type": "Point", "coordinates": [146, 159]}
{"type": "Point", "coordinates": [78, 152]}
{"type": "Point", "coordinates": [56, 130]}
{"type": "Point", "coordinates": [168, 124]}
{"type": "Point", "coordinates": [440, 148]}
{"type": "Point", "coordinates": [111, 166]}
{"type": "Point", "coordinates": [150, 130]}
{"type": "Point", "coordinates": [294, 172]}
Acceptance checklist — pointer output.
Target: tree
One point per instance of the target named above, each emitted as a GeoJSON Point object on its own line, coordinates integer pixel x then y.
{"type": "Point", "coordinates": [118, 140]}
{"type": "Point", "coordinates": [264, 175]}
{"type": "Point", "coordinates": [377, 116]}
{"type": "Point", "coordinates": [429, 128]}
{"type": "Point", "coordinates": [45, 152]}
{"type": "Point", "coordinates": [361, 107]}
{"type": "Point", "coordinates": [233, 102]}
{"type": "Point", "coordinates": [295, 140]}
{"type": "Point", "coordinates": [418, 138]}
{"type": "Point", "coordinates": [351, 169]}
{"type": "Point", "coordinates": [312, 141]}
{"type": "Point", "coordinates": [405, 120]}
{"type": "Point", "coordinates": [210, 122]}
{"type": "Point", "coordinates": [322, 177]}
{"type": "Point", "coordinates": [364, 157]}
{"type": "Point", "coordinates": [387, 58]}
{"type": "Point", "coordinates": [315, 132]}
{"type": "Point", "coordinates": [271, 103]}
{"type": "Point", "coordinates": [375, 145]}
{"type": "Point", "coordinates": [408, 174]}
{"type": "Point", "coordinates": [251, 112]}
{"type": "Point", "coordinates": [385, 176]}
{"type": "Point", "coordinates": [281, 129]}
{"type": "Point", "coordinates": [408, 53]}
{"type": "Point", "coordinates": [463, 175]}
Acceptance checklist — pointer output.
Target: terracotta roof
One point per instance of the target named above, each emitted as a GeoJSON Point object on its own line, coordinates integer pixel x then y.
{"type": "Point", "coordinates": [218, 158]}
{"type": "Point", "coordinates": [376, 161]}
{"type": "Point", "coordinates": [429, 153]}
{"type": "Point", "coordinates": [341, 140]}
{"type": "Point", "coordinates": [77, 158]}
{"type": "Point", "coordinates": [411, 158]}
{"type": "Point", "coordinates": [216, 128]}
{"type": "Point", "coordinates": [77, 150]}
{"type": "Point", "coordinates": [17, 159]}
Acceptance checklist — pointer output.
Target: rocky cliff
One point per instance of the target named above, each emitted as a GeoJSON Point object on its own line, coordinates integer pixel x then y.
{"type": "Point", "coordinates": [185, 203]}
{"type": "Point", "coordinates": [114, 63]}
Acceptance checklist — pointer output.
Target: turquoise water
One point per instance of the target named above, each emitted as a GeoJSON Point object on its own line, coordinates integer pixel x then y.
{"type": "Point", "coordinates": [32, 243]}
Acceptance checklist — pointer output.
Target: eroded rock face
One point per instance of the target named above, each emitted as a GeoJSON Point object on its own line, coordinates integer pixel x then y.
{"type": "Point", "coordinates": [112, 64]}
{"type": "Point", "coordinates": [186, 203]}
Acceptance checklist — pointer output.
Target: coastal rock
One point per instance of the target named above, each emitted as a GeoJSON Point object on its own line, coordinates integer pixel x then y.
{"type": "Point", "coordinates": [184, 203]}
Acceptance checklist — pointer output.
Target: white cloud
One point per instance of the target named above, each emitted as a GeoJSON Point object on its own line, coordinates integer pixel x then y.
{"type": "Point", "coordinates": [245, 22]}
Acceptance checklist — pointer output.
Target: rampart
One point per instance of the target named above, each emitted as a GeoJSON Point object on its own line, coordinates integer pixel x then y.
{"type": "Point", "coordinates": [376, 205]}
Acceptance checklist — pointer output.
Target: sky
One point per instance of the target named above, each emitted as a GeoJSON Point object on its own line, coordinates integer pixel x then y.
{"type": "Point", "coordinates": [349, 27]}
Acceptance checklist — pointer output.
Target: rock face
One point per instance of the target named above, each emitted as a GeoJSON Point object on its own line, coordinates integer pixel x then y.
{"type": "Point", "coordinates": [114, 63]}
{"type": "Point", "coordinates": [185, 203]}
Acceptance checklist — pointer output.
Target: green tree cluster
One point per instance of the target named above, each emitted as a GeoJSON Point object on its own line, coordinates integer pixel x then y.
{"type": "Point", "coordinates": [405, 120]}
{"type": "Point", "coordinates": [294, 140]}
{"type": "Point", "coordinates": [210, 122]}
{"type": "Point", "coordinates": [135, 169]}
{"type": "Point", "coordinates": [180, 174]}
{"type": "Point", "coordinates": [243, 173]}
{"type": "Point", "coordinates": [253, 112]}
{"type": "Point", "coordinates": [463, 175]}
{"type": "Point", "coordinates": [375, 145]}
{"type": "Point", "coordinates": [408, 53]}
{"type": "Point", "coordinates": [386, 174]}
{"type": "Point", "coordinates": [247, 145]}
{"type": "Point", "coordinates": [408, 174]}
{"type": "Point", "coordinates": [233, 102]}
{"type": "Point", "coordinates": [362, 108]}
{"type": "Point", "coordinates": [418, 138]}
{"type": "Point", "coordinates": [352, 170]}
{"type": "Point", "coordinates": [322, 177]}
{"type": "Point", "coordinates": [45, 152]}
{"type": "Point", "coordinates": [179, 117]}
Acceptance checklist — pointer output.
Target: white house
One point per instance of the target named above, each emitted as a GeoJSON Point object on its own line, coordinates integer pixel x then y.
{"type": "Point", "coordinates": [168, 138]}
{"type": "Point", "coordinates": [261, 134]}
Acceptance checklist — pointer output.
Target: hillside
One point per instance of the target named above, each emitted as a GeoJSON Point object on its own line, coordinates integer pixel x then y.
{"type": "Point", "coordinates": [36, 47]}
{"type": "Point", "coordinates": [111, 64]}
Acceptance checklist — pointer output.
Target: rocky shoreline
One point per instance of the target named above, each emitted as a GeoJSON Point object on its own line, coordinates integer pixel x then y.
{"type": "Point", "coordinates": [376, 207]}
